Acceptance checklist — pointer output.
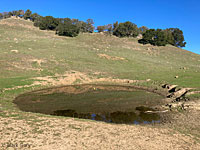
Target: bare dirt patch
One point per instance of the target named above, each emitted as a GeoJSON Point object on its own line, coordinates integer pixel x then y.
{"type": "Point", "coordinates": [71, 77]}
{"type": "Point", "coordinates": [19, 87]}
{"type": "Point", "coordinates": [82, 89]}
{"type": "Point", "coordinates": [63, 133]}
{"type": "Point", "coordinates": [195, 105]}
{"type": "Point", "coordinates": [23, 66]}
{"type": "Point", "coordinates": [186, 121]}
{"type": "Point", "coordinates": [110, 57]}
{"type": "Point", "coordinates": [27, 63]}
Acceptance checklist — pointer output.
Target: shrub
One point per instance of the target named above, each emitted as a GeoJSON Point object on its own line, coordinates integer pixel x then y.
{"type": "Point", "coordinates": [127, 29]}
{"type": "Point", "coordinates": [154, 37]}
{"type": "Point", "coordinates": [67, 29]}
{"type": "Point", "coordinates": [47, 23]}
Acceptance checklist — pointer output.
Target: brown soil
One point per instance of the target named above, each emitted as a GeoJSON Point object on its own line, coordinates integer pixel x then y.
{"type": "Point", "coordinates": [70, 78]}
{"type": "Point", "coordinates": [82, 89]}
{"type": "Point", "coordinates": [110, 57]}
{"type": "Point", "coordinates": [63, 133]}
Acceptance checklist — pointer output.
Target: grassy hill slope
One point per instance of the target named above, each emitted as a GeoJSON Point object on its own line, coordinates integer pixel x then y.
{"type": "Point", "coordinates": [29, 52]}
{"type": "Point", "coordinates": [32, 59]}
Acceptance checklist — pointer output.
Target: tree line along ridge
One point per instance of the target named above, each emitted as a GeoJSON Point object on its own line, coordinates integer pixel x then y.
{"type": "Point", "coordinates": [72, 27]}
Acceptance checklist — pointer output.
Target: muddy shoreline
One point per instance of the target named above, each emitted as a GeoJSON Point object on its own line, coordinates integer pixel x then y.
{"type": "Point", "coordinates": [113, 103]}
{"type": "Point", "coordinates": [165, 110]}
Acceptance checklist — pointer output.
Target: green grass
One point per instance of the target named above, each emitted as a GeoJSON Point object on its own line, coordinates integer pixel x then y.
{"type": "Point", "coordinates": [61, 54]}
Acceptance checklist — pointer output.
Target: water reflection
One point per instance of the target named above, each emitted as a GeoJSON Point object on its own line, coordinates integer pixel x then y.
{"type": "Point", "coordinates": [117, 117]}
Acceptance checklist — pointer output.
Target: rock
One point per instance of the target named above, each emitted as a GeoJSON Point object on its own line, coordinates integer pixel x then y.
{"type": "Point", "coordinates": [148, 80]}
{"type": "Point", "coordinates": [180, 105]}
{"type": "Point", "coordinates": [176, 77]}
{"type": "Point", "coordinates": [169, 87]}
{"type": "Point", "coordinates": [14, 51]}
{"type": "Point", "coordinates": [180, 92]}
{"type": "Point", "coordinates": [139, 36]}
{"type": "Point", "coordinates": [164, 85]}
{"type": "Point", "coordinates": [172, 88]}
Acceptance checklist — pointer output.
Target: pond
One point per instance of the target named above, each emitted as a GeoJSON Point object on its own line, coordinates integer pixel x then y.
{"type": "Point", "coordinates": [108, 103]}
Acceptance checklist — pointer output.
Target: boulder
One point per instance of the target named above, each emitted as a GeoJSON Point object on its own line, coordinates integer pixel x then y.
{"type": "Point", "coordinates": [180, 92]}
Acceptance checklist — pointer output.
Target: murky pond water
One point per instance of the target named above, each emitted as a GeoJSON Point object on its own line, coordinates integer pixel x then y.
{"type": "Point", "coordinates": [108, 103]}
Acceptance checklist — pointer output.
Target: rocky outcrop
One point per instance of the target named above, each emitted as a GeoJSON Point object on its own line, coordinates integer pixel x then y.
{"type": "Point", "coordinates": [170, 88]}
{"type": "Point", "coordinates": [175, 93]}
{"type": "Point", "coordinates": [178, 94]}
{"type": "Point", "coordinates": [176, 97]}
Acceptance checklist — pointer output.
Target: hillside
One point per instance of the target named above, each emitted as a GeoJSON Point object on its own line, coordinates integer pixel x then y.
{"type": "Point", "coordinates": [32, 59]}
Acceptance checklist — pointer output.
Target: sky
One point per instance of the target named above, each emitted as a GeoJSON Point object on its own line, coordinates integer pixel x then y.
{"type": "Point", "coordinates": [182, 14]}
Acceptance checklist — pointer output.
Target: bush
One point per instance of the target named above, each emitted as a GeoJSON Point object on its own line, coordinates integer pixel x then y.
{"type": "Point", "coordinates": [27, 14]}
{"type": "Point", "coordinates": [67, 29]}
{"type": "Point", "coordinates": [101, 29]}
{"type": "Point", "coordinates": [143, 29]}
{"type": "Point", "coordinates": [178, 37]}
{"type": "Point", "coordinates": [127, 29]}
{"type": "Point", "coordinates": [154, 37]}
{"type": "Point", "coordinates": [47, 23]}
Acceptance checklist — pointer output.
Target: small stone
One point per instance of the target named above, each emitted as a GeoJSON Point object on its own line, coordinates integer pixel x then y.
{"type": "Point", "coordinates": [14, 51]}
{"type": "Point", "coordinates": [176, 77]}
